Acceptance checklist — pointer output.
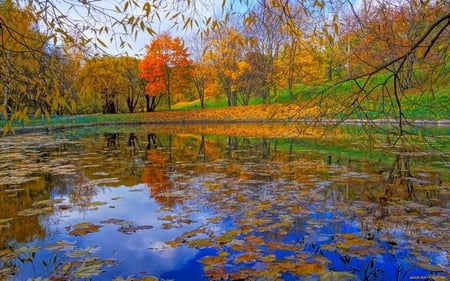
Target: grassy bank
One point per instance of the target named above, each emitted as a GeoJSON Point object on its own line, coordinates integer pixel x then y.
{"type": "Point", "coordinates": [241, 114]}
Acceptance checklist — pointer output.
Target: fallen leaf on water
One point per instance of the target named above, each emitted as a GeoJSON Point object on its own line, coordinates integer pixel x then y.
{"type": "Point", "coordinates": [133, 228]}
{"type": "Point", "coordinates": [59, 245]}
{"type": "Point", "coordinates": [64, 207]}
{"type": "Point", "coordinates": [97, 203]}
{"type": "Point", "coordinates": [257, 240]}
{"type": "Point", "coordinates": [116, 221]}
{"type": "Point", "coordinates": [192, 233]}
{"type": "Point", "coordinates": [246, 258]}
{"type": "Point", "coordinates": [90, 267]}
{"type": "Point", "coordinates": [84, 228]}
{"type": "Point", "coordinates": [228, 236]}
{"type": "Point", "coordinates": [7, 255]}
{"type": "Point", "coordinates": [76, 253]}
{"type": "Point", "coordinates": [217, 274]}
{"type": "Point", "coordinates": [430, 267]}
{"type": "Point", "coordinates": [148, 278]}
{"type": "Point", "coordinates": [199, 243]}
{"type": "Point", "coordinates": [175, 242]}
{"type": "Point", "coordinates": [28, 249]}
{"type": "Point", "coordinates": [336, 275]}
{"type": "Point", "coordinates": [8, 271]}
{"type": "Point", "coordinates": [210, 262]}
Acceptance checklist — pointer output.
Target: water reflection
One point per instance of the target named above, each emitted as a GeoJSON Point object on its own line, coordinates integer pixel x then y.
{"type": "Point", "coordinates": [193, 207]}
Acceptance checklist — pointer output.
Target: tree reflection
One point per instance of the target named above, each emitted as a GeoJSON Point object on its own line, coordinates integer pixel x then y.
{"type": "Point", "coordinates": [156, 172]}
{"type": "Point", "coordinates": [27, 225]}
{"type": "Point", "coordinates": [133, 144]}
{"type": "Point", "coordinates": [112, 141]}
{"type": "Point", "coordinates": [202, 150]}
{"type": "Point", "coordinates": [402, 180]}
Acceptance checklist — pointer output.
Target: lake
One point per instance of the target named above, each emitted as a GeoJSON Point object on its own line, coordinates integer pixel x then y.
{"type": "Point", "coordinates": [221, 202]}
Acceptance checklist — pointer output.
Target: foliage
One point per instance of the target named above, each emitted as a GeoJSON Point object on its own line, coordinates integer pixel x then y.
{"type": "Point", "coordinates": [166, 69]}
{"type": "Point", "coordinates": [111, 80]}
{"type": "Point", "coordinates": [35, 76]}
{"type": "Point", "coordinates": [336, 61]}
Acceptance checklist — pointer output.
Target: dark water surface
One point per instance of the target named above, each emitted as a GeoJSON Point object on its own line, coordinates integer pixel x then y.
{"type": "Point", "coordinates": [131, 204]}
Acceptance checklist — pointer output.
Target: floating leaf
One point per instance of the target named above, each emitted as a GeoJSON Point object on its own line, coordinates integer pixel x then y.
{"type": "Point", "coordinates": [7, 255]}
{"type": "Point", "coordinates": [89, 268]}
{"type": "Point", "coordinates": [98, 203]}
{"type": "Point", "coordinates": [8, 271]}
{"type": "Point", "coordinates": [210, 261]}
{"type": "Point", "coordinates": [116, 221]}
{"type": "Point", "coordinates": [246, 258]}
{"type": "Point", "coordinates": [199, 243]}
{"type": "Point", "coordinates": [194, 232]}
{"type": "Point", "coordinates": [148, 278]}
{"type": "Point", "coordinates": [28, 249]}
{"type": "Point", "coordinates": [429, 266]}
{"type": "Point", "coordinates": [84, 228]}
{"type": "Point", "coordinates": [176, 242]}
{"type": "Point", "coordinates": [60, 245]}
{"type": "Point", "coordinates": [228, 236]}
{"type": "Point", "coordinates": [133, 228]}
{"type": "Point", "coordinates": [336, 275]}
{"type": "Point", "coordinates": [253, 239]}
{"type": "Point", "coordinates": [308, 268]}
{"type": "Point", "coordinates": [76, 253]}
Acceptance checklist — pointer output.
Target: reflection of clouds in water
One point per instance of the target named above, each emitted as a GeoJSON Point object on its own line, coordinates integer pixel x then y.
{"type": "Point", "coordinates": [172, 258]}
{"type": "Point", "coordinates": [141, 251]}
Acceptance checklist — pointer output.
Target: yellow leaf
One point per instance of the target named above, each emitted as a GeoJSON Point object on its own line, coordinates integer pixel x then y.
{"type": "Point", "coordinates": [246, 258]}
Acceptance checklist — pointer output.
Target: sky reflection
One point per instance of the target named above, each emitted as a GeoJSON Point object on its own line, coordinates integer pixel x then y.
{"type": "Point", "coordinates": [236, 213]}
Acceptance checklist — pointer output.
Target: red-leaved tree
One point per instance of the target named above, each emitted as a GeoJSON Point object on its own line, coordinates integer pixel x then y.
{"type": "Point", "coordinates": [166, 67]}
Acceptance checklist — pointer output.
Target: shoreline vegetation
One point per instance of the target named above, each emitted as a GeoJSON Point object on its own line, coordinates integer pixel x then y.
{"type": "Point", "coordinates": [252, 114]}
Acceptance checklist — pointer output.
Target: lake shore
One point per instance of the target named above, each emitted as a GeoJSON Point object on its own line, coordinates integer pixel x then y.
{"type": "Point", "coordinates": [256, 114]}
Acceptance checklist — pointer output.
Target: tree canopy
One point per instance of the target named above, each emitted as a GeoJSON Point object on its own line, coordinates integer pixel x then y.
{"type": "Point", "coordinates": [166, 68]}
{"type": "Point", "coordinates": [250, 50]}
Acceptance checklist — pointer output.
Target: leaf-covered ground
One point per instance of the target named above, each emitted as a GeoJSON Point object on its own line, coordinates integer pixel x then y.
{"type": "Point", "coordinates": [256, 114]}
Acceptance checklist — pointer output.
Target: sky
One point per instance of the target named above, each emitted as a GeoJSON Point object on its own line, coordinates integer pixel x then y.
{"type": "Point", "coordinates": [104, 10]}
{"type": "Point", "coordinates": [78, 14]}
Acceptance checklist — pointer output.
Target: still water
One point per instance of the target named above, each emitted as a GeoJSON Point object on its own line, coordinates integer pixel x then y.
{"type": "Point", "coordinates": [139, 204]}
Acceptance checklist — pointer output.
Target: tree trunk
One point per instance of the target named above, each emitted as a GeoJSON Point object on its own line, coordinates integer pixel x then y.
{"type": "Point", "coordinates": [147, 99]}
{"type": "Point", "coordinates": [130, 104]}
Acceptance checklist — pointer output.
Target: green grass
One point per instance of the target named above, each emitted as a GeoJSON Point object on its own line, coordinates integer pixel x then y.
{"type": "Point", "coordinates": [415, 106]}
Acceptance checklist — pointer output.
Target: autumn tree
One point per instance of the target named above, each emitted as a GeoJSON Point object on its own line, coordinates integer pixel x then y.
{"type": "Point", "coordinates": [57, 74]}
{"type": "Point", "coordinates": [166, 68]}
{"type": "Point", "coordinates": [112, 79]}
{"type": "Point", "coordinates": [405, 20]}
{"type": "Point", "coordinates": [266, 37]}
{"type": "Point", "coordinates": [21, 73]}
{"type": "Point", "coordinates": [203, 81]}
{"type": "Point", "coordinates": [224, 51]}
{"type": "Point", "coordinates": [134, 85]}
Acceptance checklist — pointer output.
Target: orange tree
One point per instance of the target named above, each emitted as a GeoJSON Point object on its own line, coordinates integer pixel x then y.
{"type": "Point", "coordinates": [166, 68]}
